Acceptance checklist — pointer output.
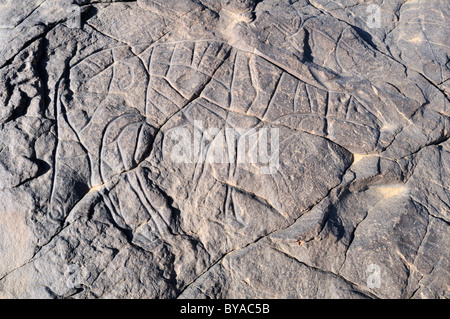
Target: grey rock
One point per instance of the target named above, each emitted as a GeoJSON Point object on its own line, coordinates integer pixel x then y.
{"type": "Point", "coordinates": [224, 149]}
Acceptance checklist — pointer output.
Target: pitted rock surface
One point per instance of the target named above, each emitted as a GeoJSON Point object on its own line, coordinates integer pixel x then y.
{"type": "Point", "coordinates": [349, 198]}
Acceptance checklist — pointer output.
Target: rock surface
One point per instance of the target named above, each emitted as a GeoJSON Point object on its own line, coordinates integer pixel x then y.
{"type": "Point", "coordinates": [225, 149]}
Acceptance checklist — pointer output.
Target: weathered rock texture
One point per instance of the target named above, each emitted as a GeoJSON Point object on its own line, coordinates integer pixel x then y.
{"type": "Point", "coordinates": [92, 205]}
